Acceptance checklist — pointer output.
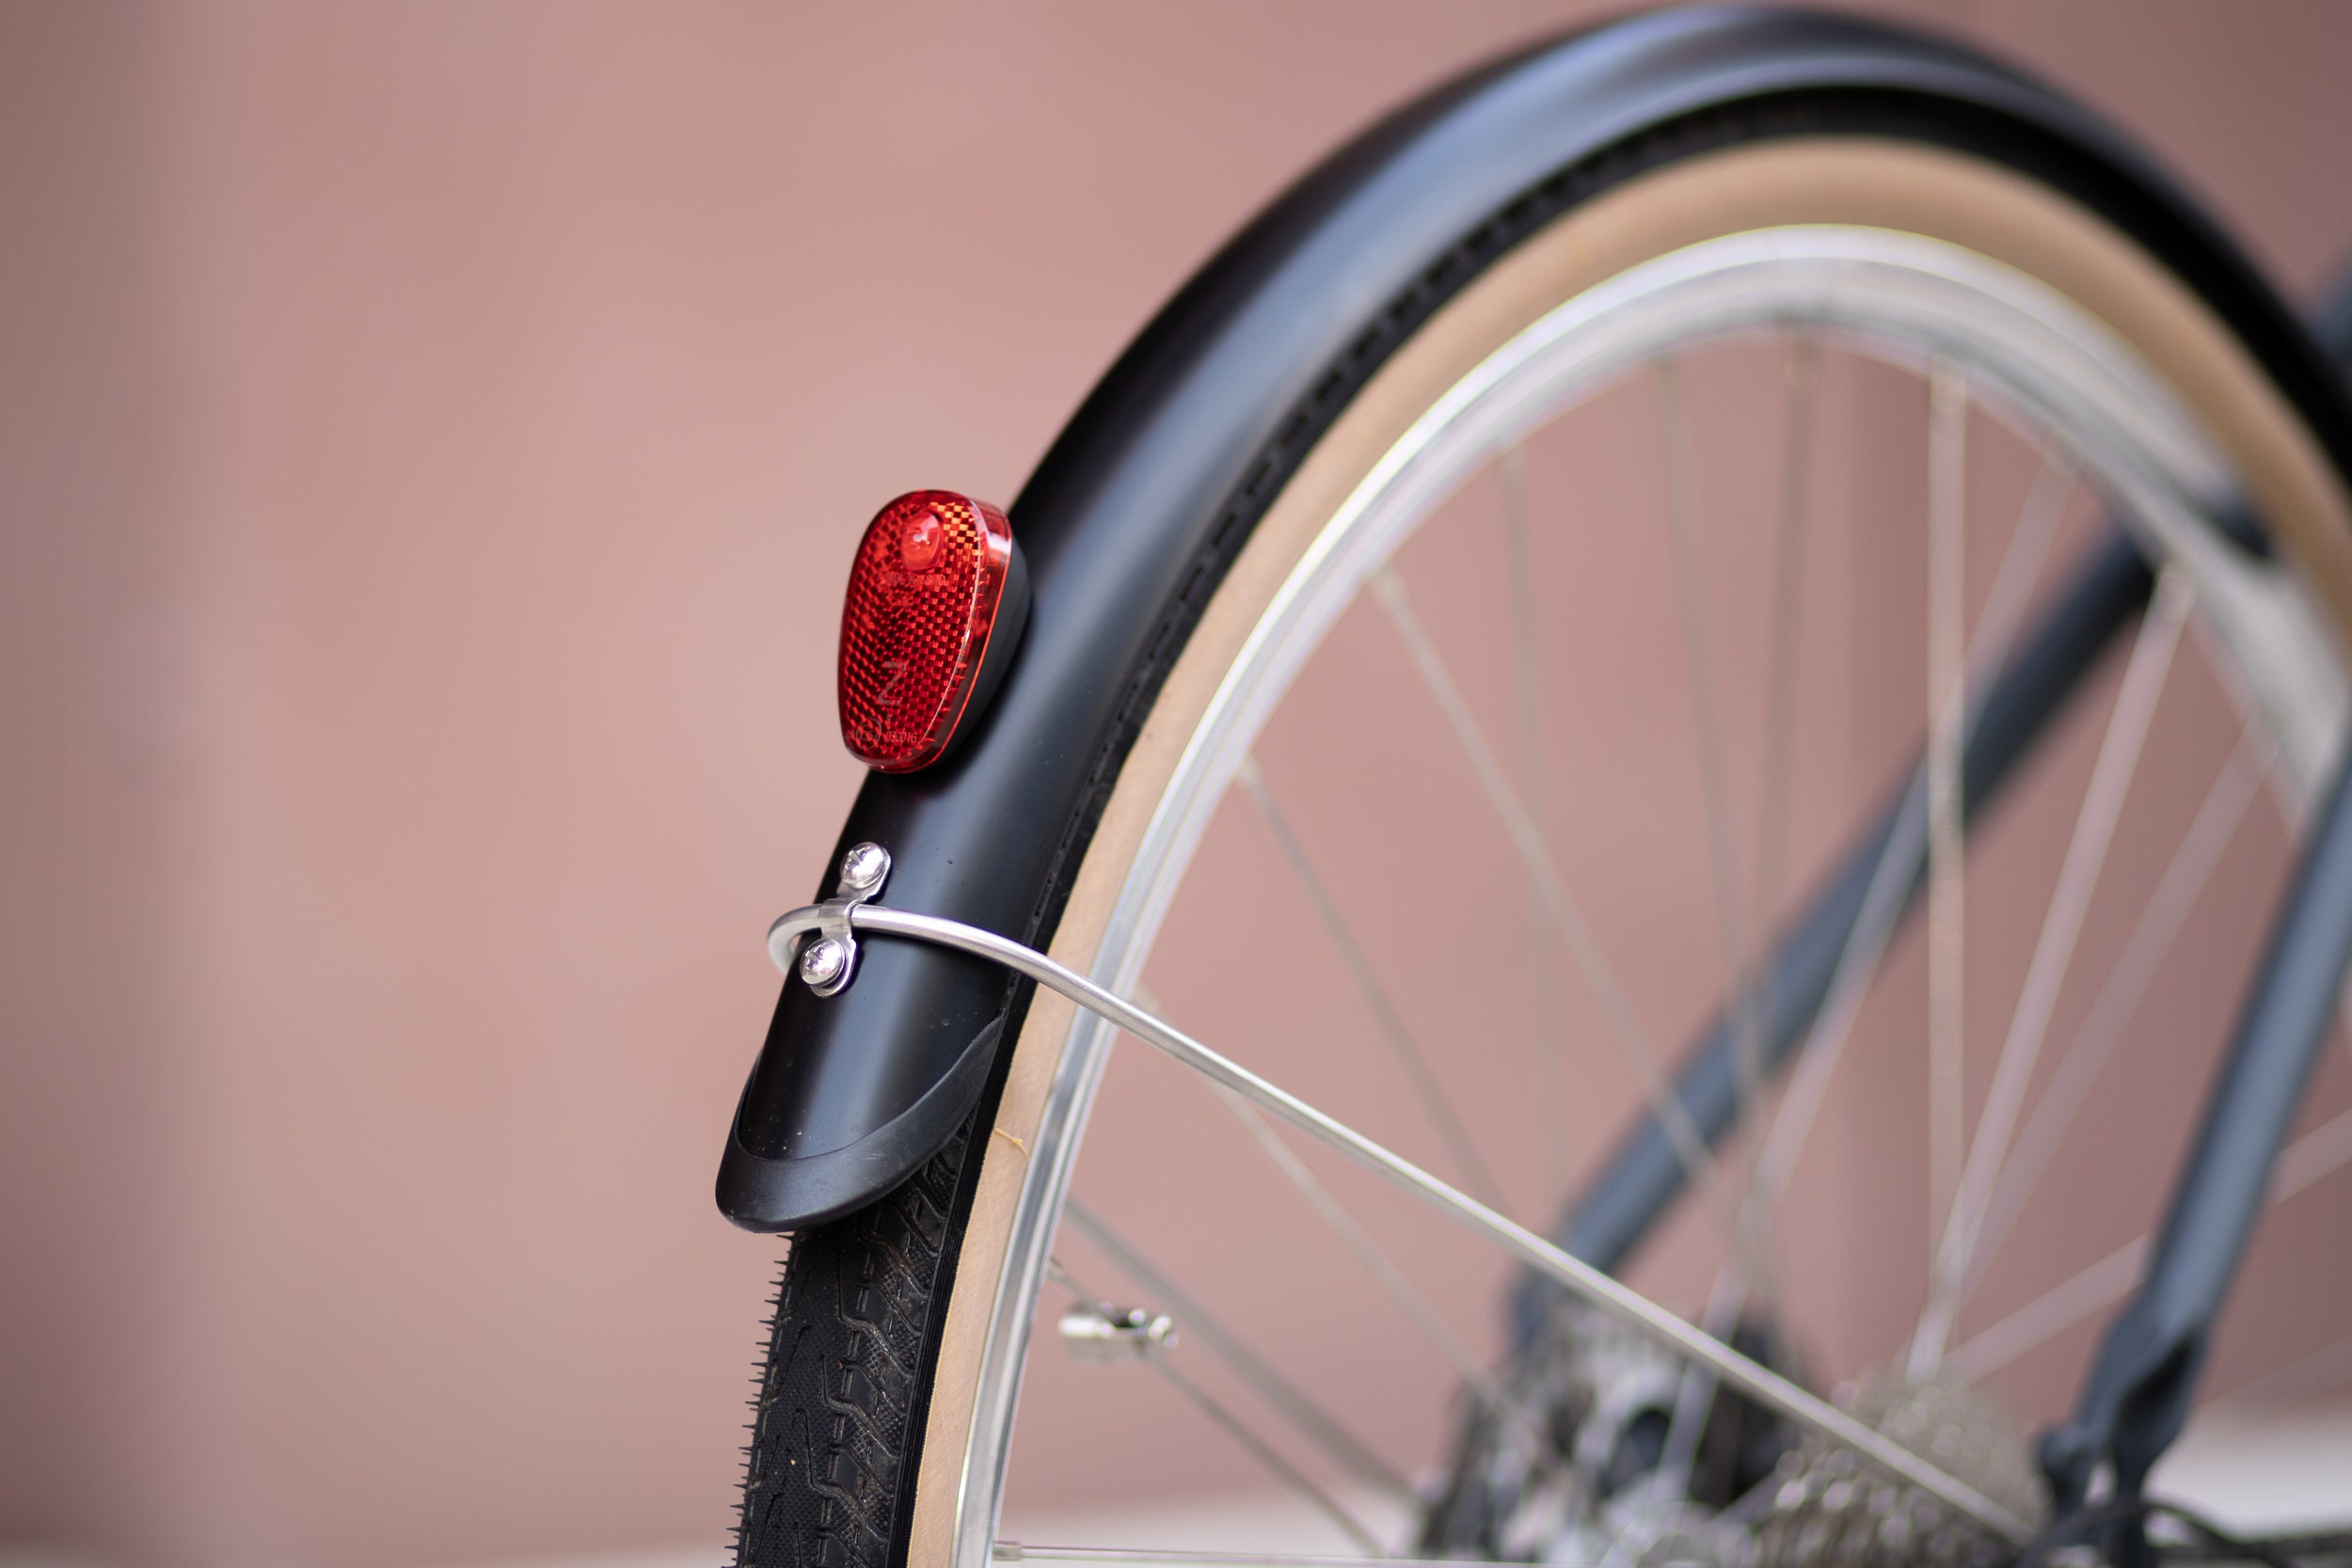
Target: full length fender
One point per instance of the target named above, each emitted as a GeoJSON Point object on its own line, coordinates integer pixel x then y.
{"type": "Point", "coordinates": [1132, 519]}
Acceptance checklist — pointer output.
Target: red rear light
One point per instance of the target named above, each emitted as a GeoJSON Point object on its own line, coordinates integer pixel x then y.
{"type": "Point", "coordinates": [936, 602]}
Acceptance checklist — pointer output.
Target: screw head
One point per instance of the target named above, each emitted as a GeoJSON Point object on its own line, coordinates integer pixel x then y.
{"type": "Point", "coordinates": [822, 961]}
{"type": "Point", "coordinates": [863, 868]}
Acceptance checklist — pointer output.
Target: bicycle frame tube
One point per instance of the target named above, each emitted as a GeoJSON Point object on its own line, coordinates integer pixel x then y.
{"type": "Point", "coordinates": [2140, 1388]}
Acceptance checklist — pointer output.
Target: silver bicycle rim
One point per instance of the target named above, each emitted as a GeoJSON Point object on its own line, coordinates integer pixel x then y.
{"type": "Point", "coordinates": [1911, 301]}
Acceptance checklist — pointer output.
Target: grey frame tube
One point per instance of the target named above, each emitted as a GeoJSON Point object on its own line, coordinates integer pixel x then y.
{"type": "Point", "coordinates": [2139, 1389]}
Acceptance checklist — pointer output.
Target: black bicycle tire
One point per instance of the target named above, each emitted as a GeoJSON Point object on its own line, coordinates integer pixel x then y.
{"type": "Point", "coordinates": [851, 1346]}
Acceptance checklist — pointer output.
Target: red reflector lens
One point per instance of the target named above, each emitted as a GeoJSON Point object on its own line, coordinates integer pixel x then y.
{"type": "Point", "coordinates": [936, 600]}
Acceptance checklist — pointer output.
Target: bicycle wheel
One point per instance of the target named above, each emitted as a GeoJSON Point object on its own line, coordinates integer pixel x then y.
{"type": "Point", "coordinates": [1778, 220]}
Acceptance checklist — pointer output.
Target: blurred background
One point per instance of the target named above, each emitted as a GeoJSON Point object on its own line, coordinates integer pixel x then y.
{"type": "Point", "coordinates": [433, 439]}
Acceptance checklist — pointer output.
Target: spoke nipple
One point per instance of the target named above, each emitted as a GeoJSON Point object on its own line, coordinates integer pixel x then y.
{"type": "Point", "coordinates": [822, 963]}
{"type": "Point", "coordinates": [863, 868]}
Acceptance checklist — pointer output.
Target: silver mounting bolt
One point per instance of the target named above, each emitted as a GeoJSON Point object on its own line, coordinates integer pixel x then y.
{"type": "Point", "coordinates": [828, 962]}
{"type": "Point", "coordinates": [863, 868]}
{"type": "Point", "coordinates": [822, 963]}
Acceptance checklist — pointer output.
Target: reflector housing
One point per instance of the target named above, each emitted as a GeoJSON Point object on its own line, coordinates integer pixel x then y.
{"type": "Point", "coordinates": [937, 599]}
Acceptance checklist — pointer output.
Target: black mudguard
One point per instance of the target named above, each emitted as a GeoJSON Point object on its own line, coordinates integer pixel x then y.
{"type": "Point", "coordinates": [1131, 520]}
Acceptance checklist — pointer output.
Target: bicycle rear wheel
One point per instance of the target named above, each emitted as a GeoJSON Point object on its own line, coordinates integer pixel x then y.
{"type": "Point", "coordinates": [1764, 233]}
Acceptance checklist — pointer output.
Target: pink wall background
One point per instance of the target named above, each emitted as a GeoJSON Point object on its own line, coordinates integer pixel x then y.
{"type": "Point", "coordinates": [432, 439]}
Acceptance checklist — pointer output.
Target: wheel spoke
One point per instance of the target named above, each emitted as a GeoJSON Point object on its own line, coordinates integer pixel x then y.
{"type": "Point", "coordinates": [1358, 1241]}
{"type": "Point", "coordinates": [2105, 1282]}
{"type": "Point", "coordinates": [2136, 968]}
{"type": "Point", "coordinates": [1803, 371]}
{"type": "Point", "coordinates": [2086, 854]}
{"type": "Point", "coordinates": [1544, 1002]}
{"type": "Point", "coordinates": [1998, 627]}
{"type": "Point", "coordinates": [1291, 1475]}
{"type": "Point", "coordinates": [1568, 917]}
{"type": "Point", "coordinates": [1367, 1252]}
{"type": "Point", "coordinates": [1232, 1425]}
{"type": "Point", "coordinates": [1947, 452]}
{"type": "Point", "coordinates": [1832, 1025]}
{"type": "Point", "coordinates": [1774, 1161]}
{"type": "Point", "coordinates": [1204, 1328]}
{"type": "Point", "coordinates": [2021, 560]}
{"type": "Point", "coordinates": [1695, 1399]}
{"type": "Point", "coordinates": [1706, 709]}
{"type": "Point", "coordinates": [1393, 1029]}
{"type": "Point", "coordinates": [1755, 1000]}
{"type": "Point", "coordinates": [1401, 1289]}
{"type": "Point", "coordinates": [2324, 1150]}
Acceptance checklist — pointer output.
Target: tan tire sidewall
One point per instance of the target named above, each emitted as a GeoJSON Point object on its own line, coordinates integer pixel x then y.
{"type": "Point", "coordinates": [1856, 180]}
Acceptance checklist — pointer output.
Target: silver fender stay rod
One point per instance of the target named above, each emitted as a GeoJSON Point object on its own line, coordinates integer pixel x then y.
{"type": "Point", "coordinates": [1579, 1278]}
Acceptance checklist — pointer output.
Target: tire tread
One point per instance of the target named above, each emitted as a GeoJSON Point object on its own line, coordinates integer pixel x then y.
{"type": "Point", "coordinates": [836, 1401]}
